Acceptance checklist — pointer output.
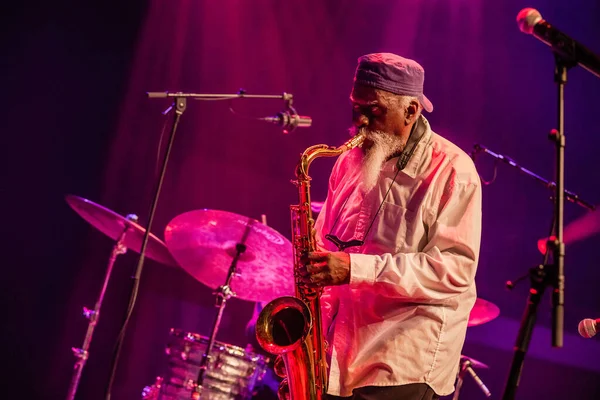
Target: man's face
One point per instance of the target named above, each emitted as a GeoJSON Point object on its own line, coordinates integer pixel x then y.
{"type": "Point", "coordinates": [376, 111]}
{"type": "Point", "coordinates": [379, 115]}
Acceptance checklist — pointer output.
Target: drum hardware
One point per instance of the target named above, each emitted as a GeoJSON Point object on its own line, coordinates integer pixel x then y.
{"type": "Point", "coordinates": [467, 365]}
{"type": "Point", "coordinates": [82, 353]}
{"type": "Point", "coordinates": [126, 232]}
{"type": "Point", "coordinates": [231, 374]}
{"type": "Point", "coordinates": [202, 241]}
{"type": "Point", "coordinates": [223, 294]}
{"type": "Point", "coordinates": [152, 392]}
{"type": "Point", "coordinates": [483, 311]}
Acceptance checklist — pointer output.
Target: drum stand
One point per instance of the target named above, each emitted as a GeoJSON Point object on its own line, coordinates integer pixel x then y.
{"type": "Point", "coordinates": [466, 366]}
{"type": "Point", "coordinates": [223, 294]}
{"type": "Point", "coordinates": [82, 354]}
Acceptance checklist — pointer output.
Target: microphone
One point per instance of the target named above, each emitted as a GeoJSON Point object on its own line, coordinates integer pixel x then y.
{"type": "Point", "coordinates": [530, 21]}
{"type": "Point", "coordinates": [289, 121]}
{"type": "Point", "coordinates": [588, 327]}
{"type": "Point", "coordinates": [476, 149]}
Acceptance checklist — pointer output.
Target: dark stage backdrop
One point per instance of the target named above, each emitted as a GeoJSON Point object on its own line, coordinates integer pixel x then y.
{"type": "Point", "coordinates": [75, 120]}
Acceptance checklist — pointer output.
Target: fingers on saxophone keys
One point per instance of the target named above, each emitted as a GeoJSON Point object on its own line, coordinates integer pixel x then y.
{"type": "Point", "coordinates": [310, 270]}
{"type": "Point", "coordinates": [316, 267]}
{"type": "Point", "coordinates": [318, 256]}
{"type": "Point", "coordinates": [315, 256]}
{"type": "Point", "coordinates": [318, 280]}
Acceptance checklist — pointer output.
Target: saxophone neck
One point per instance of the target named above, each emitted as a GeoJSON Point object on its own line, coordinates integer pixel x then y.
{"type": "Point", "coordinates": [323, 150]}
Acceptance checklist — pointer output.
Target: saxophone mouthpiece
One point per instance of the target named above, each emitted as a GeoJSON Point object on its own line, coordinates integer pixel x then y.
{"type": "Point", "coordinates": [355, 141]}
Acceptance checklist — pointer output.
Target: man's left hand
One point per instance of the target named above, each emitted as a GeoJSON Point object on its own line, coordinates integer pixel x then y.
{"type": "Point", "coordinates": [324, 268]}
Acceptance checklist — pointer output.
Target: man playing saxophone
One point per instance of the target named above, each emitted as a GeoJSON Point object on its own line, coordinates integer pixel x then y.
{"type": "Point", "coordinates": [398, 240]}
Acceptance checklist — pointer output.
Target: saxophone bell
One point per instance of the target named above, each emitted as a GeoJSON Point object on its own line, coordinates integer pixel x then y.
{"type": "Point", "coordinates": [283, 328]}
{"type": "Point", "coordinates": [283, 324]}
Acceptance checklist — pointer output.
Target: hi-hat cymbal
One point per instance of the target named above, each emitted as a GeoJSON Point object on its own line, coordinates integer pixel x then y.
{"type": "Point", "coordinates": [113, 225]}
{"type": "Point", "coordinates": [316, 206]}
{"type": "Point", "coordinates": [204, 244]}
{"type": "Point", "coordinates": [483, 311]}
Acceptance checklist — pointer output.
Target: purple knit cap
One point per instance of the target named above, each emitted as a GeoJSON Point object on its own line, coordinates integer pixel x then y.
{"type": "Point", "coordinates": [394, 74]}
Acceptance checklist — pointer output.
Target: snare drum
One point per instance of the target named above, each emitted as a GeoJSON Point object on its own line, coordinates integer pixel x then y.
{"type": "Point", "coordinates": [231, 374]}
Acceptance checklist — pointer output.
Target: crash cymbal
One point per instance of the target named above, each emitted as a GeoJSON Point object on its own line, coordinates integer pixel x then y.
{"type": "Point", "coordinates": [582, 228]}
{"type": "Point", "coordinates": [113, 224]}
{"type": "Point", "coordinates": [483, 311]}
{"type": "Point", "coordinates": [474, 362]}
{"type": "Point", "coordinates": [204, 244]}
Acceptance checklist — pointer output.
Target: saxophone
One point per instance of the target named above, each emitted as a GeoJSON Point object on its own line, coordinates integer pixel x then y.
{"type": "Point", "coordinates": [290, 327]}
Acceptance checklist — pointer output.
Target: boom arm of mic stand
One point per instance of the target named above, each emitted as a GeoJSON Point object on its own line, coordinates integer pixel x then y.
{"type": "Point", "coordinates": [573, 197]}
{"type": "Point", "coordinates": [210, 96]}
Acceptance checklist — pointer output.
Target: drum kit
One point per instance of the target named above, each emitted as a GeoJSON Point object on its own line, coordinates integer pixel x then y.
{"type": "Point", "coordinates": [236, 256]}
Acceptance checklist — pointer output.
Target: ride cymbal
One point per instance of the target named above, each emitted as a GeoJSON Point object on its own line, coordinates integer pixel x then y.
{"type": "Point", "coordinates": [204, 243]}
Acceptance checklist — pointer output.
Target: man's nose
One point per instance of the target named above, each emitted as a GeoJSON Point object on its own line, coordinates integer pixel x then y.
{"type": "Point", "coordinates": [360, 121]}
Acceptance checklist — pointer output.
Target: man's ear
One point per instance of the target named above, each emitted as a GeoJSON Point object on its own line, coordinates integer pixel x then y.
{"type": "Point", "coordinates": [411, 111]}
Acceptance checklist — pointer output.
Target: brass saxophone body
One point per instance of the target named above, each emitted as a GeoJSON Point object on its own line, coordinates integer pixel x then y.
{"type": "Point", "coordinates": [290, 326]}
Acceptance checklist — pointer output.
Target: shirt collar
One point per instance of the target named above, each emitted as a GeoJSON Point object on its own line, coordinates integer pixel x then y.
{"type": "Point", "coordinates": [414, 163]}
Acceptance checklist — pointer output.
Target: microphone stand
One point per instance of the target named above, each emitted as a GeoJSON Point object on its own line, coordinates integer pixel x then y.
{"type": "Point", "coordinates": [179, 106]}
{"type": "Point", "coordinates": [551, 274]}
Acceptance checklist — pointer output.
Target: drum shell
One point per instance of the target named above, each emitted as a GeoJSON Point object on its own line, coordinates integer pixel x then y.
{"type": "Point", "coordinates": [232, 372]}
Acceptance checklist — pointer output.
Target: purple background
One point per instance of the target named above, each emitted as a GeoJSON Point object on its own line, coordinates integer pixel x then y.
{"type": "Point", "coordinates": [75, 120]}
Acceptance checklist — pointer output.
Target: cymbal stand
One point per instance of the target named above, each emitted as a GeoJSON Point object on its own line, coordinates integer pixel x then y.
{"type": "Point", "coordinates": [467, 366]}
{"type": "Point", "coordinates": [223, 293]}
{"type": "Point", "coordinates": [82, 353]}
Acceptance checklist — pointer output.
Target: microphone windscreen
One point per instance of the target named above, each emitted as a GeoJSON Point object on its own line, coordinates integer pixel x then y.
{"type": "Point", "coordinates": [527, 19]}
{"type": "Point", "coordinates": [587, 328]}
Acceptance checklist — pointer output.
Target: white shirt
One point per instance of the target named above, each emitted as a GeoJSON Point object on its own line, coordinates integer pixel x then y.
{"type": "Point", "coordinates": [403, 316]}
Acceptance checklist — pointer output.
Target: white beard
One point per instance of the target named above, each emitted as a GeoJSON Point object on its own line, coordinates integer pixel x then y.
{"type": "Point", "coordinates": [384, 146]}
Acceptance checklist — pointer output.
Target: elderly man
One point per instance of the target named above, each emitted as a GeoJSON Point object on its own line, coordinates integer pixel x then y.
{"type": "Point", "coordinates": [400, 234]}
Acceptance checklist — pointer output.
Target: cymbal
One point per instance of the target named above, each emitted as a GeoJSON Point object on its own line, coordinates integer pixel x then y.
{"type": "Point", "coordinates": [113, 224]}
{"type": "Point", "coordinates": [483, 311]}
{"type": "Point", "coordinates": [582, 228]}
{"type": "Point", "coordinates": [474, 362]}
{"type": "Point", "coordinates": [316, 206]}
{"type": "Point", "coordinates": [204, 243]}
